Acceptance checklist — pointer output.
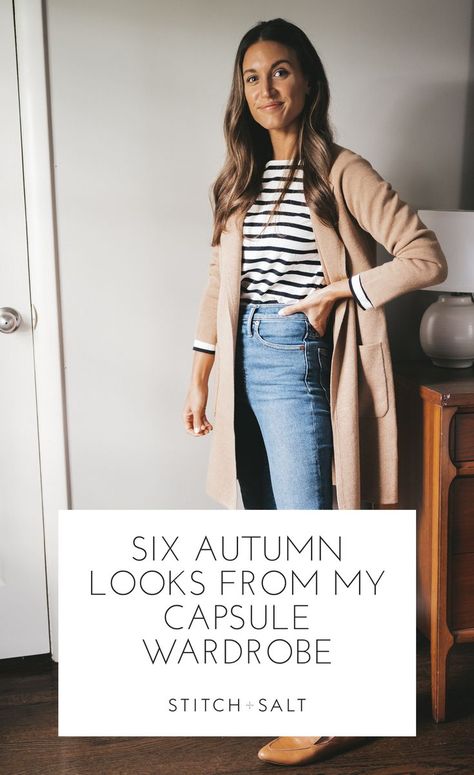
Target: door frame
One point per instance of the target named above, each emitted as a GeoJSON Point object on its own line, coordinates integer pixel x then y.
{"type": "Point", "coordinates": [43, 259]}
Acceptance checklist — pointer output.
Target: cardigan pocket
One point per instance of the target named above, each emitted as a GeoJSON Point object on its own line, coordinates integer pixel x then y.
{"type": "Point", "coordinates": [372, 381]}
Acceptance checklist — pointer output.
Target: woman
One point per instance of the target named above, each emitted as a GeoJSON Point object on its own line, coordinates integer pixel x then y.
{"type": "Point", "coordinates": [293, 308]}
{"type": "Point", "coordinates": [315, 264]}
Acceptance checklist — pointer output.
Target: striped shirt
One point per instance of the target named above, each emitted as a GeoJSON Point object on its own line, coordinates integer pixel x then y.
{"type": "Point", "coordinates": [280, 263]}
{"type": "Point", "coordinates": [280, 259]}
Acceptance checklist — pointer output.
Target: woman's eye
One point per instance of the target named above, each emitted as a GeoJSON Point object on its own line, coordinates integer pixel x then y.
{"type": "Point", "coordinates": [281, 70]}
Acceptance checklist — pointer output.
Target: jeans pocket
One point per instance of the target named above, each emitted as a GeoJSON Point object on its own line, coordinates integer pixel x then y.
{"type": "Point", "coordinates": [312, 332]}
{"type": "Point", "coordinates": [281, 333]}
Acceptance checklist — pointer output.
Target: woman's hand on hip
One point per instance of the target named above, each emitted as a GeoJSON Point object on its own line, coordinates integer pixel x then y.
{"type": "Point", "coordinates": [194, 412]}
{"type": "Point", "coordinates": [318, 304]}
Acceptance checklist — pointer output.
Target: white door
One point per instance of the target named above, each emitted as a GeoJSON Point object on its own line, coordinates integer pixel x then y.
{"type": "Point", "coordinates": [23, 600]}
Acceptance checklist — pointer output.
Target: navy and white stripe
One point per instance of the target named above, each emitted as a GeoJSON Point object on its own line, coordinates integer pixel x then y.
{"type": "Point", "coordinates": [359, 293]}
{"type": "Point", "coordinates": [280, 264]}
{"type": "Point", "coordinates": [204, 347]}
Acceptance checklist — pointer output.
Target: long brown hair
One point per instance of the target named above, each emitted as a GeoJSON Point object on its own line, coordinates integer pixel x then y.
{"type": "Point", "coordinates": [249, 146]}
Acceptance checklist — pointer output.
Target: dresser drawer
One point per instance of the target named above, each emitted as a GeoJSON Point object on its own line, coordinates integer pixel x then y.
{"type": "Point", "coordinates": [461, 515]}
{"type": "Point", "coordinates": [461, 591]}
{"type": "Point", "coordinates": [463, 450]}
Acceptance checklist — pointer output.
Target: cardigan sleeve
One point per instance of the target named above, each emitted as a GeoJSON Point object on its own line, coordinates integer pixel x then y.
{"type": "Point", "coordinates": [418, 260]}
{"type": "Point", "coordinates": [206, 326]}
{"type": "Point", "coordinates": [358, 292]}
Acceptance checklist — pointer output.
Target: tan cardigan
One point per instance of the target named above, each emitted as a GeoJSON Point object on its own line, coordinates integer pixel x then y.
{"type": "Point", "coordinates": [362, 390]}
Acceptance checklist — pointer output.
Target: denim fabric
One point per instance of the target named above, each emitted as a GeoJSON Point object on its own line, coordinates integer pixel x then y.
{"type": "Point", "coordinates": [282, 421]}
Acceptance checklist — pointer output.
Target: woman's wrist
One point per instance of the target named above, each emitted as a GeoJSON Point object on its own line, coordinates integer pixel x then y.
{"type": "Point", "coordinates": [199, 383]}
{"type": "Point", "coordinates": [339, 290]}
{"type": "Point", "coordinates": [202, 366]}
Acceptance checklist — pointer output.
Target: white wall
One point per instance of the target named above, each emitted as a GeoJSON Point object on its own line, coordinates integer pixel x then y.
{"type": "Point", "coordinates": [138, 90]}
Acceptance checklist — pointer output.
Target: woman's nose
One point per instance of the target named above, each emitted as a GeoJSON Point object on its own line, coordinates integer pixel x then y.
{"type": "Point", "coordinates": [268, 88]}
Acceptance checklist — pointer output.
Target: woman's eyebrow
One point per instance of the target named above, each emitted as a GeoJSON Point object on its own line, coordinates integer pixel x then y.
{"type": "Point", "coordinates": [278, 62]}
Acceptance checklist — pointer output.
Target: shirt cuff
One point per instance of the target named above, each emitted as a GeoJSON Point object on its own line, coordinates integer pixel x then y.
{"type": "Point", "coordinates": [204, 347]}
{"type": "Point", "coordinates": [359, 293]}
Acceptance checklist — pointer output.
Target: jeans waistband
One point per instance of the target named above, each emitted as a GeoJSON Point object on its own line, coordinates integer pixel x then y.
{"type": "Point", "coordinates": [259, 311]}
{"type": "Point", "coordinates": [248, 312]}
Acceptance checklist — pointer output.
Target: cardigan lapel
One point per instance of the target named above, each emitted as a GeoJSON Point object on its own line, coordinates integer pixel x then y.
{"type": "Point", "coordinates": [332, 252]}
{"type": "Point", "coordinates": [230, 268]}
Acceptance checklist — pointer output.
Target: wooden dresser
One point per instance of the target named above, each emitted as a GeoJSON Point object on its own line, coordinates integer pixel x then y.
{"type": "Point", "coordinates": [435, 408]}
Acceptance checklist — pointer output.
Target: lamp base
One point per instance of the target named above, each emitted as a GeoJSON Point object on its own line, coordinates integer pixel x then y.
{"type": "Point", "coordinates": [448, 363]}
{"type": "Point", "coordinates": [447, 331]}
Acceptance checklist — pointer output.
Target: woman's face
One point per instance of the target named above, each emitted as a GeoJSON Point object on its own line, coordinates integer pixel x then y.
{"type": "Point", "coordinates": [274, 85]}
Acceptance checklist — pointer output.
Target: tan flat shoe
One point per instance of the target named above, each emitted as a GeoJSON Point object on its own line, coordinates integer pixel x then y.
{"type": "Point", "coordinates": [303, 750]}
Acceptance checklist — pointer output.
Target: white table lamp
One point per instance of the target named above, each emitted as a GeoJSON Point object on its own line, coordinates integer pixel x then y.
{"type": "Point", "coordinates": [447, 326]}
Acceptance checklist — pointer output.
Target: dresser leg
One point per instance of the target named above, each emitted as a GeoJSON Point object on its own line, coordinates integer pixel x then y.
{"type": "Point", "coordinates": [436, 496]}
{"type": "Point", "coordinates": [440, 648]}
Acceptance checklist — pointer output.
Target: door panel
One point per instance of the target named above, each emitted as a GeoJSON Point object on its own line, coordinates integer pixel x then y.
{"type": "Point", "coordinates": [23, 601]}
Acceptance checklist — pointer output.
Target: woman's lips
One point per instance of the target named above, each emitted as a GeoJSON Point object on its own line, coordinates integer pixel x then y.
{"type": "Point", "coordinates": [272, 106]}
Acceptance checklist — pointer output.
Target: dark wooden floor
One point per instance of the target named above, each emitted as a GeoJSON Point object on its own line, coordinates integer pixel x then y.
{"type": "Point", "coordinates": [30, 746]}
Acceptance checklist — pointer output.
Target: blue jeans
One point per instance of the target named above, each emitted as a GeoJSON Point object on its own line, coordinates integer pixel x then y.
{"type": "Point", "coordinates": [282, 420]}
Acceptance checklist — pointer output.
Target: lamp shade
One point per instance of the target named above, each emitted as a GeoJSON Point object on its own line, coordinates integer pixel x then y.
{"type": "Point", "coordinates": [454, 230]}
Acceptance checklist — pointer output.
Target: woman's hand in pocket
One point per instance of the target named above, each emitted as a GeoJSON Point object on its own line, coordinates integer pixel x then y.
{"type": "Point", "coordinates": [194, 412]}
{"type": "Point", "coordinates": [317, 305]}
